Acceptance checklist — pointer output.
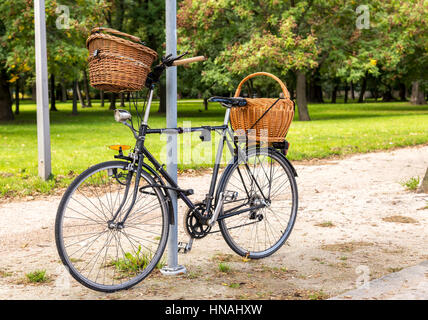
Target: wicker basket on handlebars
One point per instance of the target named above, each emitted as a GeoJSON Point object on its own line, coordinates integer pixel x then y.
{"type": "Point", "coordinates": [117, 64]}
{"type": "Point", "coordinates": [264, 119]}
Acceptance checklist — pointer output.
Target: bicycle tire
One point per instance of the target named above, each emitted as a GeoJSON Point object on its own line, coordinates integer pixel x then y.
{"type": "Point", "coordinates": [136, 261]}
{"type": "Point", "coordinates": [248, 221]}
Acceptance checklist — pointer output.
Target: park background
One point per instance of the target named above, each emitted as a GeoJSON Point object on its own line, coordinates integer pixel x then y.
{"type": "Point", "coordinates": [357, 72]}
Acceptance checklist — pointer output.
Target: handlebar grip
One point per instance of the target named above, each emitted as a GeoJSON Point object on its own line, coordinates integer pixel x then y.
{"type": "Point", "coordinates": [188, 60]}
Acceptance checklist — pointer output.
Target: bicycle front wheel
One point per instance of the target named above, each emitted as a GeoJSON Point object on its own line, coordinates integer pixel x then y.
{"type": "Point", "coordinates": [260, 205]}
{"type": "Point", "coordinates": [103, 254]}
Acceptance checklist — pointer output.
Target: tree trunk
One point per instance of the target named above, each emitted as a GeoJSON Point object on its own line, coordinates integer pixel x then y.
{"type": "Point", "coordinates": [112, 101]}
{"type": "Point", "coordinates": [162, 96]}
{"type": "Point", "coordinates": [423, 188]}
{"type": "Point", "coordinates": [374, 91]}
{"type": "Point", "coordinates": [122, 100]}
{"type": "Point", "coordinates": [58, 93]}
{"type": "Point", "coordinates": [63, 92]}
{"type": "Point", "coordinates": [74, 108]}
{"type": "Point", "coordinates": [314, 87]}
{"type": "Point", "coordinates": [102, 98]}
{"type": "Point", "coordinates": [34, 93]}
{"type": "Point", "coordinates": [346, 93]}
{"type": "Point", "coordinates": [402, 92]}
{"type": "Point", "coordinates": [52, 92]}
{"type": "Point", "coordinates": [86, 87]}
{"type": "Point", "coordinates": [387, 95]}
{"type": "Point", "coordinates": [302, 103]}
{"type": "Point", "coordinates": [6, 112]}
{"type": "Point", "coordinates": [79, 95]}
{"type": "Point", "coordinates": [250, 87]}
{"type": "Point", "coordinates": [206, 104]}
{"type": "Point", "coordinates": [418, 95]}
{"type": "Point", "coordinates": [352, 91]}
{"type": "Point", "coordinates": [334, 94]}
{"type": "Point", "coordinates": [363, 89]}
{"type": "Point", "coordinates": [291, 91]}
{"type": "Point", "coordinates": [319, 94]}
{"type": "Point", "coordinates": [17, 96]}
{"type": "Point", "coordinates": [315, 91]}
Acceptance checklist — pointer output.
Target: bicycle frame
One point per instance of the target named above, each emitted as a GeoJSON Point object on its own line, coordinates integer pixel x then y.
{"type": "Point", "coordinates": [182, 194]}
{"type": "Point", "coordinates": [141, 152]}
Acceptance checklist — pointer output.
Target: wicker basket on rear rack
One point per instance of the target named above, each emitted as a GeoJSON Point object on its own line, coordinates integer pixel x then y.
{"type": "Point", "coordinates": [117, 64]}
{"type": "Point", "coordinates": [264, 119]}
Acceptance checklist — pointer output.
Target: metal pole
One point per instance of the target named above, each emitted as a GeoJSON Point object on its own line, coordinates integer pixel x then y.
{"type": "Point", "coordinates": [43, 131]}
{"type": "Point", "coordinates": [171, 122]}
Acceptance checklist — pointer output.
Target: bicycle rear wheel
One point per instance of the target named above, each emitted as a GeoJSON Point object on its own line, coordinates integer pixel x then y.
{"type": "Point", "coordinates": [103, 254]}
{"type": "Point", "coordinates": [264, 189]}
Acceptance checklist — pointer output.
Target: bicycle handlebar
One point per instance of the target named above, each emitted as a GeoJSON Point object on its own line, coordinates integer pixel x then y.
{"type": "Point", "coordinates": [168, 61]}
{"type": "Point", "coordinates": [188, 60]}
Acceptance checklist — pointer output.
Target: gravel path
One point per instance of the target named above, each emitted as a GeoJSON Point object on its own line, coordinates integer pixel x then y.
{"type": "Point", "coordinates": [356, 222]}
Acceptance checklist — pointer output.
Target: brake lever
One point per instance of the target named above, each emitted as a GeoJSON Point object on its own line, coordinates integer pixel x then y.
{"type": "Point", "coordinates": [165, 58]}
{"type": "Point", "coordinates": [181, 55]}
{"type": "Point", "coordinates": [168, 62]}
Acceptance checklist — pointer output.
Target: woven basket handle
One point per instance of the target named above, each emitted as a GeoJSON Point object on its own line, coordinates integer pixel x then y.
{"type": "Point", "coordinates": [283, 87]}
{"type": "Point", "coordinates": [118, 33]}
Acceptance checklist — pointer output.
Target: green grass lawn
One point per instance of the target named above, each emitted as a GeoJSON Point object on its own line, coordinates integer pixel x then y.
{"type": "Point", "coordinates": [81, 141]}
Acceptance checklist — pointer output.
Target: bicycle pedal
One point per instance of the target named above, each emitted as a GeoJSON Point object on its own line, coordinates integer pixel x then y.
{"type": "Point", "coordinates": [184, 247]}
{"type": "Point", "coordinates": [189, 192]}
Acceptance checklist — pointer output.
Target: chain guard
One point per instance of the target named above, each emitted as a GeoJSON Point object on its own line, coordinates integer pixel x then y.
{"type": "Point", "coordinates": [194, 222]}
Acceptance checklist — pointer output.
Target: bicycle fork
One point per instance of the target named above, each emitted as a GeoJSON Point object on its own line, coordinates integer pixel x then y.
{"type": "Point", "coordinates": [119, 225]}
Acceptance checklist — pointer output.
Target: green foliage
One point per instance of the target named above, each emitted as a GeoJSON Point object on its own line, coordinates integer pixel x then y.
{"type": "Point", "coordinates": [135, 262]}
{"type": "Point", "coordinates": [318, 295]}
{"type": "Point", "coordinates": [38, 276]}
{"type": "Point", "coordinates": [241, 37]}
{"type": "Point", "coordinates": [224, 267]}
{"type": "Point", "coordinates": [411, 184]}
{"type": "Point", "coordinates": [65, 47]}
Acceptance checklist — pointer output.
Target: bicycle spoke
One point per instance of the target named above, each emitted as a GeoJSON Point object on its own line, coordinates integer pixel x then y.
{"type": "Point", "coordinates": [105, 254]}
{"type": "Point", "coordinates": [259, 231]}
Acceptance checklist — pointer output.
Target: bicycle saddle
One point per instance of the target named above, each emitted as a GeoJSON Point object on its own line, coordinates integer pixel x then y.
{"type": "Point", "coordinates": [229, 102]}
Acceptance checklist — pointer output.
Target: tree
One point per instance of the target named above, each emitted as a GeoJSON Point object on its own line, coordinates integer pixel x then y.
{"type": "Point", "coordinates": [86, 86]}
{"type": "Point", "coordinates": [17, 89]}
{"type": "Point", "coordinates": [392, 51]}
{"type": "Point", "coordinates": [52, 93]}
{"type": "Point", "coordinates": [301, 97]}
{"type": "Point", "coordinates": [74, 111]}
{"type": "Point", "coordinates": [5, 98]}
{"type": "Point", "coordinates": [418, 93]}
{"type": "Point", "coordinates": [279, 40]}
{"type": "Point", "coordinates": [66, 50]}
{"type": "Point", "coordinates": [144, 19]}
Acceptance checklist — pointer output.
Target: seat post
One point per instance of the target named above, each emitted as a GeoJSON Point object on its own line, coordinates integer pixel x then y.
{"type": "Point", "coordinates": [149, 103]}
{"type": "Point", "coordinates": [226, 117]}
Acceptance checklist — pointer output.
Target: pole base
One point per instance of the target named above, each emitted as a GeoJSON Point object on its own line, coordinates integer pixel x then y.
{"type": "Point", "coordinates": [173, 271]}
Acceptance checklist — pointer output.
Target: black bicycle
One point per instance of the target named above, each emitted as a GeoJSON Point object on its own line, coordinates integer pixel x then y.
{"type": "Point", "coordinates": [112, 223]}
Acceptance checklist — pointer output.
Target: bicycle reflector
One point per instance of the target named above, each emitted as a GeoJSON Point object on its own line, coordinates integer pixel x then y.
{"type": "Point", "coordinates": [119, 147]}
